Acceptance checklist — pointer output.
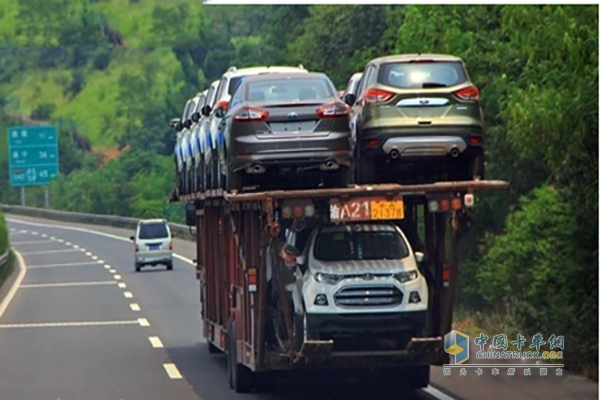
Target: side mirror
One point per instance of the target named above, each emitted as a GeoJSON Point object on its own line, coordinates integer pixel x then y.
{"type": "Point", "coordinates": [173, 122]}
{"type": "Point", "coordinates": [220, 112]}
{"type": "Point", "coordinates": [196, 116]}
{"type": "Point", "coordinates": [206, 110]}
{"type": "Point", "coordinates": [132, 238]}
{"type": "Point", "coordinates": [350, 99]}
{"type": "Point", "coordinates": [419, 256]}
{"type": "Point", "coordinates": [300, 260]}
{"type": "Point", "coordinates": [187, 123]}
{"type": "Point", "coordinates": [179, 126]}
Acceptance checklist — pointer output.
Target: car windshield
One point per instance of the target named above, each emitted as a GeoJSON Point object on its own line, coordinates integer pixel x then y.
{"type": "Point", "coordinates": [371, 245]}
{"type": "Point", "coordinates": [423, 74]}
{"type": "Point", "coordinates": [289, 90]}
{"type": "Point", "coordinates": [153, 231]}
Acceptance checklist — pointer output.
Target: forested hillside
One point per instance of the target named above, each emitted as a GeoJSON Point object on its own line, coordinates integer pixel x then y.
{"type": "Point", "coordinates": [112, 73]}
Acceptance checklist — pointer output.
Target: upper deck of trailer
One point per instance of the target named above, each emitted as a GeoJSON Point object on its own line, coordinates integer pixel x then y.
{"type": "Point", "coordinates": [387, 189]}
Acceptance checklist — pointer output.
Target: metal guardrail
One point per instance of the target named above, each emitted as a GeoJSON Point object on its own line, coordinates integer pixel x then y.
{"type": "Point", "coordinates": [177, 230]}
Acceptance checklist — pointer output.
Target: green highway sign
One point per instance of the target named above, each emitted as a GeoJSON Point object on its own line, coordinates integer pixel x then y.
{"type": "Point", "coordinates": [32, 155]}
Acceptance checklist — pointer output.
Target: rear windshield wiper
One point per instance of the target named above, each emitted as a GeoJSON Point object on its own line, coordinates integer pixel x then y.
{"type": "Point", "coordinates": [433, 85]}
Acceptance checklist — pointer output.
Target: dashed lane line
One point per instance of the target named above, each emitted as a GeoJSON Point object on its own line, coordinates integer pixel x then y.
{"type": "Point", "coordinates": [106, 266]}
{"type": "Point", "coordinates": [30, 253]}
{"type": "Point", "coordinates": [88, 254]}
{"type": "Point", "coordinates": [128, 295]}
{"type": "Point", "coordinates": [155, 342]}
{"type": "Point", "coordinates": [172, 371]}
{"type": "Point", "coordinates": [61, 265]}
{"type": "Point", "coordinates": [436, 393]}
{"type": "Point", "coordinates": [143, 322]}
{"type": "Point", "coordinates": [122, 285]}
{"type": "Point", "coordinates": [30, 242]}
{"type": "Point", "coordinates": [112, 271]}
{"type": "Point", "coordinates": [117, 277]}
{"type": "Point", "coordinates": [67, 324]}
{"type": "Point", "coordinates": [134, 307]}
{"type": "Point", "coordinates": [67, 284]}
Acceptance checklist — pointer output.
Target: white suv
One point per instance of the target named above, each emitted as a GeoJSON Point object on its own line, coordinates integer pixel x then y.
{"type": "Point", "coordinates": [153, 244]}
{"type": "Point", "coordinates": [214, 155]}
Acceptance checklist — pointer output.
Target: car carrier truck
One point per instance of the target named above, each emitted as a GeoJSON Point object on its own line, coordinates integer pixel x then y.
{"type": "Point", "coordinates": [256, 297]}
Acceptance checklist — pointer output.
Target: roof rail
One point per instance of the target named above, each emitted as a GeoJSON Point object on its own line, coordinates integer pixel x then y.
{"type": "Point", "coordinates": [231, 69]}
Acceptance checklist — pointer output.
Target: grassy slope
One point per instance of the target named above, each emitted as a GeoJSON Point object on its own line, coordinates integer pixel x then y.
{"type": "Point", "coordinates": [94, 108]}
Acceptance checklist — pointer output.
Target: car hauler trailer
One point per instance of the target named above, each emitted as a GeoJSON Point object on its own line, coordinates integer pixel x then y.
{"type": "Point", "coordinates": [236, 234]}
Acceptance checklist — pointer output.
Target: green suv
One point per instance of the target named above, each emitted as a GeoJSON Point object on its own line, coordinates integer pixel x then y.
{"type": "Point", "coordinates": [418, 116]}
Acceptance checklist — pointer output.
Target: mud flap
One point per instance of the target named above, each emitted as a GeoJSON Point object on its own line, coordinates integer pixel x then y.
{"type": "Point", "coordinates": [424, 349]}
{"type": "Point", "coordinates": [314, 350]}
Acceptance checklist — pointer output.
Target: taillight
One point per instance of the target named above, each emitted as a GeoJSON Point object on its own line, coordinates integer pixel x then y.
{"type": "Point", "coordinates": [377, 96]}
{"type": "Point", "coordinates": [171, 246]}
{"type": "Point", "coordinates": [470, 93]}
{"type": "Point", "coordinates": [248, 114]}
{"type": "Point", "coordinates": [224, 104]}
{"type": "Point", "coordinates": [137, 248]}
{"type": "Point", "coordinates": [332, 110]}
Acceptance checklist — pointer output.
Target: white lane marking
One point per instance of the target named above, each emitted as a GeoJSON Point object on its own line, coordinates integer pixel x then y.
{"type": "Point", "coordinates": [75, 246]}
{"type": "Point", "coordinates": [155, 342]}
{"type": "Point", "coordinates": [28, 253]}
{"type": "Point", "coordinates": [117, 277]}
{"type": "Point", "coordinates": [44, 235]}
{"type": "Point", "coordinates": [31, 242]}
{"type": "Point", "coordinates": [143, 322]}
{"type": "Point", "coordinates": [70, 228]}
{"type": "Point", "coordinates": [68, 243]}
{"type": "Point", "coordinates": [129, 295]}
{"type": "Point", "coordinates": [34, 233]}
{"type": "Point", "coordinates": [23, 231]}
{"type": "Point", "coordinates": [106, 266]}
{"type": "Point", "coordinates": [61, 240]}
{"type": "Point", "coordinates": [100, 261]}
{"type": "Point", "coordinates": [112, 271]}
{"type": "Point", "coordinates": [88, 254]}
{"type": "Point", "coordinates": [122, 285]}
{"type": "Point", "coordinates": [61, 265]}
{"type": "Point", "coordinates": [57, 324]}
{"type": "Point", "coordinates": [52, 238]}
{"type": "Point", "coordinates": [65, 284]}
{"type": "Point", "coordinates": [172, 371]}
{"type": "Point", "coordinates": [94, 257]}
{"type": "Point", "coordinates": [436, 393]}
{"type": "Point", "coordinates": [81, 250]}
{"type": "Point", "coordinates": [134, 307]}
{"type": "Point", "coordinates": [13, 290]}
{"type": "Point", "coordinates": [12, 229]}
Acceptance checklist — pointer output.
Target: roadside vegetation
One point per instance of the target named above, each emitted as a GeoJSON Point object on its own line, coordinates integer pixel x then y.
{"type": "Point", "coordinates": [112, 73]}
{"type": "Point", "coordinates": [5, 270]}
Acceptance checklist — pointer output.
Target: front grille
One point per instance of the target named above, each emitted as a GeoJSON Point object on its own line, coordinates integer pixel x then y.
{"type": "Point", "coordinates": [368, 296]}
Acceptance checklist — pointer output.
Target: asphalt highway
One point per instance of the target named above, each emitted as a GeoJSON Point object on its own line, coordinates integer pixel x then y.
{"type": "Point", "coordinates": [84, 325]}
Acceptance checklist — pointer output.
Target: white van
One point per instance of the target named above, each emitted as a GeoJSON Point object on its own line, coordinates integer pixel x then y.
{"type": "Point", "coordinates": [153, 244]}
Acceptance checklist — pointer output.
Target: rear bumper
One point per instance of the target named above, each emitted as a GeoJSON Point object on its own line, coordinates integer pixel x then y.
{"type": "Point", "coordinates": [248, 151]}
{"type": "Point", "coordinates": [157, 257]}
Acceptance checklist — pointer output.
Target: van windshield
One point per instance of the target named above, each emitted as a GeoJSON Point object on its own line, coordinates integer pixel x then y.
{"type": "Point", "coordinates": [153, 231]}
{"type": "Point", "coordinates": [347, 246]}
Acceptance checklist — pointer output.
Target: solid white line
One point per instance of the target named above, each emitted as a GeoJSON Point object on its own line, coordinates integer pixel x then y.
{"type": "Point", "coordinates": [13, 290]}
{"type": "Point", "coordinates": [112, 271]}
{"type": "Point", "coordinates": [28, 253]}
{"type": "Point", "coordinates": [143, 322]}
{"type": "Point", "coordinates": [88, 254]}
{"type": "Point", "coordinates": [65, 284]}
{"type": "Point", "coordinates": [61, 265]}
{"type": "Point", "coordinates": [70, 228]}
{"type": "Point", "coordinates": [122, 285]}
{"type": "Point", "coordinates": [117, 277]}
{"type": "Point", "coordinates": [31, 242]}
{"type": "Point", "coordinates": [129, 295]}
{"type": "Point", "coordinates": [57, 324]}
{"type": "Point", "coordinates": [436, 393]}
{"type": "Point", "coordinates": [172, 371]}
{"type": "Point", "coordinates": [134, 307]}
{"type": "Point", "coordinates": [155, 341]}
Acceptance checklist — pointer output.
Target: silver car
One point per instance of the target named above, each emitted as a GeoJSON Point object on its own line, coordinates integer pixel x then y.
{"type": "Point", "coordinates": [153, 244]}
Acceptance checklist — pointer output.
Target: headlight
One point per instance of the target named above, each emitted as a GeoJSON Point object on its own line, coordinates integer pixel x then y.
{"type": "Point", "coordinates": [330, 279]}
{"type": "Point", "coordinates": [406, 276]}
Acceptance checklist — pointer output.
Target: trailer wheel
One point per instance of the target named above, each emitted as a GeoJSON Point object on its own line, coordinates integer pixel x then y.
{"type": "Point", "coordinates": [240, 377]}
{"type": "Point", "coordinates": [419, 376]}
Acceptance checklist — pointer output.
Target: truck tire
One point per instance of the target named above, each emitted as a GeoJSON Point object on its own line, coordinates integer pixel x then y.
{"type": "Point", "coordinates": [419, 376]}
{"type": "Point", "coordinates": [138, 267]}
{"type": "Point", "coordinates": [170, 266]}
{"type": "Point", "coordinates": [240, 377]}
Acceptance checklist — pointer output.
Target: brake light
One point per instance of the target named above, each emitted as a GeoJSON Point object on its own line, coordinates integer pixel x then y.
{"type": "Point", "coordinates": [137, 248]}
{"type": "Point", "coordinates": [373, 143]}
{"type": "Point", "coordinates": [475, 140]}
{"type": "Point", "coordinates": [248, 114]}
{"type": "Point", "coordinates": [333, 110]}
{"type": "Point", "coordinates": [171, 246]}
{"type": "Point", "coordinates": [224, 104]}
{"type": "Point", "coordinates": [421, 60]}
{"type": "Point", "coordinates": [377, 96]}
{"type": "Point", "coordinates": [470, 93]}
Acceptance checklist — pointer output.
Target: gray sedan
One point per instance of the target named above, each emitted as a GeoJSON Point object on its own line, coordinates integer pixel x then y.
{"type": "Point", "coordinates": [286, 126]}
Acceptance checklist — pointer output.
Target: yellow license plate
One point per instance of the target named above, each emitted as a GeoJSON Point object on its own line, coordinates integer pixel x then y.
{"type": "Point", "coordinates": [387, 209]}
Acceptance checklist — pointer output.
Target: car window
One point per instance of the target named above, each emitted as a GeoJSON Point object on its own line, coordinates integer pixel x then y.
{"type": "Point", "coordinates": [210, 98]}
{"type": "Point", "coordinates": [153, 231]}
{"type": "Point", "coordinates": [221, 88]}
{"type": "Point", "coordinates": [362, 83]}
{"type": "Point", "coordinates": [289, 90]}
{"type": "Point", "coordinates": [416, 75]}
{"type": "Point", "coordinates": [234, 84]}
{"type": "Point", "coordinates": [371, 245]}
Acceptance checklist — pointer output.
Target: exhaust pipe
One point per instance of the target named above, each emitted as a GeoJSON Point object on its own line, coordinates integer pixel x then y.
{"type": "Point", "coordinates": [256, 169]}
{"type": "Point", "coordinates": [329, 165]}
{"type": "Point", "coordinates": [394, 154]}
{"type": "Point", "coordinates": [454, 152]}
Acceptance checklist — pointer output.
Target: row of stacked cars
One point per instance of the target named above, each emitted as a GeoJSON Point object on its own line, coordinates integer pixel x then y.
{"type": "Point", "coordinates": [411, 118]}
